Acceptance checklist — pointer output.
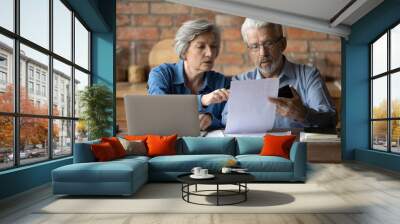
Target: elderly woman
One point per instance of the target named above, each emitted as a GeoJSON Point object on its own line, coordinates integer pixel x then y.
{"type": "Point", "coordinates": [197, 43]}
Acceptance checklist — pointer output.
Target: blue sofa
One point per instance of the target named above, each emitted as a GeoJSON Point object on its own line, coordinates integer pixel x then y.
{"type": "Point", "coordinates": [125, 176]}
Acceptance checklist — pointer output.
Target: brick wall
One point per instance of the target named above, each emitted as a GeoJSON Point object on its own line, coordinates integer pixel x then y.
{"type": "Point", "coordinates": [142, 23]}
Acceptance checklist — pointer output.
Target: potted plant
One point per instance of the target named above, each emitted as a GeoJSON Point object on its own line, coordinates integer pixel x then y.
{"type": "Point", "coordinates": [81, 130]}
{"type": "Point", "coordinates": [96, 104]}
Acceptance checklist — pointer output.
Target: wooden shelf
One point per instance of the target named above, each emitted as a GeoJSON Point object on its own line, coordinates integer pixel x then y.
{"type": "Point", "coordinates": [126, 88]}
{"type": "Point", "coordinates": [123, 89]}
{"type": "Point", "coordinates": [324, 152]}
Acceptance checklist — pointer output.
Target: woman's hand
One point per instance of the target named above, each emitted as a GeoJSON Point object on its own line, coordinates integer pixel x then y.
{"type": "Point", "coordinates": [205, 121]}
{"type": "Point", "coordinates": [216, 96]}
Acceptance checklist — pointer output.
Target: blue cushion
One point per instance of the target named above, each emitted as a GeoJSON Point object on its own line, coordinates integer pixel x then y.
{"type": "Point", "coordinates": [249, 145]}
{"type": "Point", "coordinates": [83, 153]}
{"type": "Point", "coordinates": [298, 154]}
{"type": "Point", "coordinates": [185, 163]}
{"type": "Point", "coordinates": [257, 163]}
{"type": "Point", "coordinates": [119, 177]}
{"type": "Point", "coordinates": [111, 171]}
{"type": "Point", "coordinates": [216, 145]}
{"type": "Point", "coordinates": [133, 157]}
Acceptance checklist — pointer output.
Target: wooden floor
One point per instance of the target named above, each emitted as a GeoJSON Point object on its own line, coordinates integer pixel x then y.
{"type": "Point", "coordinates": [377, 188]}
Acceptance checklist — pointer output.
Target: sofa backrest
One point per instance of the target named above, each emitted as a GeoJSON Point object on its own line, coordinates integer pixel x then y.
{"type": "Point", "coordinates": [209, 145]}
{"type": "Point", "coordinates": [249, 145]}
{"type": "Point", "coordinates": [83, 152]}
{"type": "Point", "coordinates": [191, 146]}
{"type": "Point", "coordinates": [185, 145]}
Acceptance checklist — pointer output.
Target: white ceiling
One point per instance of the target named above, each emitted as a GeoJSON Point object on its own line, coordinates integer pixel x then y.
{"type": "Point", "coordinates": [316, 15]}
{"type": "Point", "coordinates": [321, 9]}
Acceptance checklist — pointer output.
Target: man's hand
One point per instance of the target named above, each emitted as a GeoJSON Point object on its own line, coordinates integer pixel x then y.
{"type": "Point", "coordinates": [216, 96]}
{"type": "Point", "coordinates": [205, 121]}
{"type": "Point", "coordinates": [290, 107]}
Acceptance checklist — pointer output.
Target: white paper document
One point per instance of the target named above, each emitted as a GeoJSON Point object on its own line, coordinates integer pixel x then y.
{"type": "Point", "coordinates": [258, 134]}
{"type": "Point", "coordinates": [221, 133]}
{"type": "Point", "coordinates": [249, 110]}
{"type": "Point", "coordinates": [215, 133]}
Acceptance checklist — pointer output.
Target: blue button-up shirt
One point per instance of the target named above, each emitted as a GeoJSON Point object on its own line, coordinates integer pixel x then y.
{"type": "Point", "coordinates": [170, 79]}
{"type": "Point", "coordinates": [312, 90]}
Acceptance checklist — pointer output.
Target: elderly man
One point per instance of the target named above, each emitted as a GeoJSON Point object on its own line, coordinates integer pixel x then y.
{"type": "Point", "coordinates": [311, 105]}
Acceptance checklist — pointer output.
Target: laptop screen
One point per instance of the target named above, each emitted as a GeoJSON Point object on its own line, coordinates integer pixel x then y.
{"type": "Point", "coordinates": [162, 115]}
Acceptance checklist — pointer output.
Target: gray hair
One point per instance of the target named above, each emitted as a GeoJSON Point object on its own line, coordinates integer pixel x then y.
{"type": "Point", "coordinates": [190, 30]}
{"type": "Point", "coordinates": [252, 23]}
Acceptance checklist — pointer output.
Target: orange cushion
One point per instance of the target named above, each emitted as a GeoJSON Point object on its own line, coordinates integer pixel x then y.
{"type": "Point", "coordinates": [116, 145]}
{"type": "Point", "coordinates": [103, 151]}
{"type": "Point", "coordinates": [161, 145]}
{"type": "Point", "coordinates": [277, 145]}
{"type": "Point", "coordinates": [136, 137]}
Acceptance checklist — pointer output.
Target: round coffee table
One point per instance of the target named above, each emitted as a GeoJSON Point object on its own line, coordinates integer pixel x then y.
{"type": "Point", "coordinates": [238, 179]}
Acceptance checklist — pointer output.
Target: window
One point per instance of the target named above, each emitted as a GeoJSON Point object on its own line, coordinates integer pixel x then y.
{"type": "Point", "coordinates": [38, 89]}
{"type": "Point", "coordinates": [37, 74]}
{"type": "Point", "coordinates": [30, 72]}
{"type": "Point", "coordinates": [43, 90]}
{"type": "Point", "coordinates": [30, 87]}
{"type": "Point", "coordinates": [385, 96]}
{"type": "Point", "coordinates": [7, 14]}
{"type": "Point", "coordinates": [55, 102]}
{"type": "Point", "coordinates": [3, 78]}
{"type": "Point", "coordinates": [3, 61]}
{"type": "Point", "coordinates": [62, 30]}
{"type": "Point", "coordinates": [7, 143]}
{"type": "Point", "coordinates": [34, 23]}
{"type": "Point", "coordinates": [43, 77]}
{"type": "Point", "coordinates": [81, 45]}
{"type": "Point", "coordinates": [62, 129]}
{"type": "Point", "coordinates": [81, 81]}
{"type": "Point", "coordinates": [7, 73]}
{"type": "Point", "coordinates": [3, 71]}
{"type": "Point", "coordinates": [62, 75]}
{"type": "Point", "coordinates": [54, 125]}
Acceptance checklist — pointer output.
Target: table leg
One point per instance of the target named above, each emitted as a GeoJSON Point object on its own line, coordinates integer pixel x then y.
{"type": "Point", "coordinates": [182, 188]}
{"type": "Point", "coordinates": [188, 190]}
{"type": "Point", "coordinates": [245, 191]}
{"type": "Point", "coordinates": [217, 194]}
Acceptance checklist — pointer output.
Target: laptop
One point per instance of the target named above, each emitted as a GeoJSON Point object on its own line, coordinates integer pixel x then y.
{"type": "Point", "coordinates": [162, 115]}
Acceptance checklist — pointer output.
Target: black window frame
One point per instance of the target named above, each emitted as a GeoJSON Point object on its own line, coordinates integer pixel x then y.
{"type": "Point", "coordinates": [388, 74]}
{"type": "Point", "coordinates": [16, 114]}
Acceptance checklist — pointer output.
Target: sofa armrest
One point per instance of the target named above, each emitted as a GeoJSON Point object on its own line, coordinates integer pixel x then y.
{"type": "Point", "coordinates": [298, 155]}
{"type": "Point", "coordinates": [83, 152]}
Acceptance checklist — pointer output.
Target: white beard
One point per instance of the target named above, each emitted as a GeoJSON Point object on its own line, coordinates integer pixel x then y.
{"type": "Point", "coordinates": [272, 68]}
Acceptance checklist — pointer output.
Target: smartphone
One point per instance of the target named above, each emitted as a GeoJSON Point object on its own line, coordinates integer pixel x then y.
{"type": "Point", "coordinates": [285, 92]}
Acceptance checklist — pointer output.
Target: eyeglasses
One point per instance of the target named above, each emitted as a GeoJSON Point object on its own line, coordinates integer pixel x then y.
{"type": "Point", "coordinates": [266, 45]}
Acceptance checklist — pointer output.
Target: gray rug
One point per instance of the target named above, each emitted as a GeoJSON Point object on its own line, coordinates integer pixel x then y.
{"type": "Point", "coordinates": [166, 198]}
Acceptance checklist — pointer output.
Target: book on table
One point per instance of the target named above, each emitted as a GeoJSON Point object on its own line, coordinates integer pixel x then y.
{"type": "Point", "coordinates": [318, 137]}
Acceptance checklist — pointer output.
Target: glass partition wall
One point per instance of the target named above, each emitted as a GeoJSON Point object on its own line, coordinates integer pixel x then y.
{"type": "Point", "coordinates": [385, 92]}
{"type": "Point", "coordinates": [44, 64]}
